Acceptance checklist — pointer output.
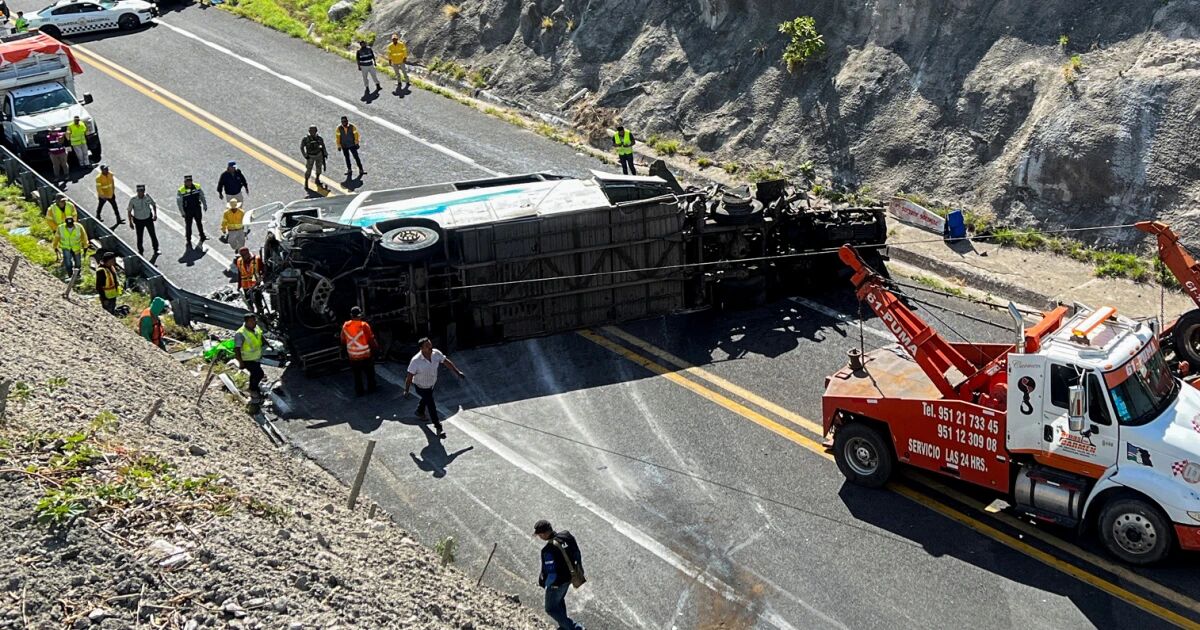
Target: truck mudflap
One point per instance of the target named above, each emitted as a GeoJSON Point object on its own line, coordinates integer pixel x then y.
{"type": "Point", "coordinates": [1188, 536]}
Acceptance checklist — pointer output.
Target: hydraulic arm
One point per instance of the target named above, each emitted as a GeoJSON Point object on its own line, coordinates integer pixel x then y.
{"type": "Point", "coordinates": [1175, 257]}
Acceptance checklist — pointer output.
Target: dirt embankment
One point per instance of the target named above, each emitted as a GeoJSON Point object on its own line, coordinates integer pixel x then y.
{"type": "Point", "coordinates": [192, 520]}
{"type": "Point", "coordinates": [975, 102]}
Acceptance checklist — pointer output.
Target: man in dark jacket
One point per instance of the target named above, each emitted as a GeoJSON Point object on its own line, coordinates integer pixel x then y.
{"type": "Point", "coordinates": [233, 183]}
{"type": "Point", "coordinates": [560, 561]}
{"type": "Point", "coordinates": [366, 65]}
{"type": "Point", "coordinates": [192, 204]}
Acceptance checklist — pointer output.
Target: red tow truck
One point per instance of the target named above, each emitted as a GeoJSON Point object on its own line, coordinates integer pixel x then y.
{"type": "Point", "coordinates": [1182, 335]}
{"type": "Point", "coordinates": [1079, 421]}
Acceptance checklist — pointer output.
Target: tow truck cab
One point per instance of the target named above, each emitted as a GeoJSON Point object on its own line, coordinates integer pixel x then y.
{"type": "Point", "coordinates": [1080, 423]}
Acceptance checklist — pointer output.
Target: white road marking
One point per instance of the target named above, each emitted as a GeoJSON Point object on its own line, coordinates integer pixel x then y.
{"type": "Point", "coordinates": [623, 527]}
{"type": "Point", "coordinates": [841, 317]}
{"type": "Point", "coordinates": [335, 100]}
{"type": "Point", "coordinates": [170, 222]}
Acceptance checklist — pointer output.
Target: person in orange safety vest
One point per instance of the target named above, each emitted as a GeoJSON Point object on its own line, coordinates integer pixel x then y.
{"type": "Point", "coordinates": [360, 349]}
{"type": "Point", "coordinates": [248, 269]}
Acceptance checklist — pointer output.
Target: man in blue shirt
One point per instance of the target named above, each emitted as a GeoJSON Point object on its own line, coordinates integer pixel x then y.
{"type": "Point", "coordinates": [561, 563]}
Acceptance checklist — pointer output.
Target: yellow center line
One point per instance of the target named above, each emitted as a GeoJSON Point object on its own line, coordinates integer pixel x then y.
{"type": "Point", "coordinates": [1005, 539]}
{"type": "Point", "coordinates": [921, 478]}
{"type": "Point", "coordinates": [248, 144]}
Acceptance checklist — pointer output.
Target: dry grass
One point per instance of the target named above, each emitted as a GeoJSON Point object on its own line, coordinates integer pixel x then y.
{"type": "Point", "coordinates": [547, 23]}
{"type": "Point", "coordinates": [451, 11]}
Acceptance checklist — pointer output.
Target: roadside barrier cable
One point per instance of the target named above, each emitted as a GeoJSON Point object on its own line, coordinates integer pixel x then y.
{"type": "Point", "coordinates": [743, 261]}
{"type": "Point", "coordinates": [965, 298]}
{"type": "Point", "coordinates": [634, 458]}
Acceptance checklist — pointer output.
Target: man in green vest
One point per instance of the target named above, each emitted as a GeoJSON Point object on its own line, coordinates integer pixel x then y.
{"type": "Point", "coordinates": [70, 241]}
{"type": "Point", "coordinates": [248, 348]}
{"type": "Point", "coordinates": [77, 136]}
{"type": "Point", "coordinates": [107, 284]}
{"type": "Point", "coordinates": [623, 140]}
{"type": "Point", "coordinates": [21, 24]}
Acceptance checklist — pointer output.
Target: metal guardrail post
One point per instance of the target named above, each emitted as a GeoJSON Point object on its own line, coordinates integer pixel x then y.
{"type": "Point", "coordinates": [28, 184]}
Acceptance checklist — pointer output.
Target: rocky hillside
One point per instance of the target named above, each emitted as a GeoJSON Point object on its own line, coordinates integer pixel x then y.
{"type": "Point", "coordinates": [191, 520]}
{"type": "Point", "coordinates": [972, 101]}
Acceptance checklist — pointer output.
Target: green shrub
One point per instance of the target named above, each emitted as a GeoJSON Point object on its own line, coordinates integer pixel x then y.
{"type": "Point", "coordinates": [703, 162]}
{"type": "Point", "coordinates": [730, 167]}
{"type": "Point", "coordinates": [806, 42]}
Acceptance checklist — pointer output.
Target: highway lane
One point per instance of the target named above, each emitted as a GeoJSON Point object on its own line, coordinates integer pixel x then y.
{"type": "Point", "coordinates": [729, 495]}
{"type": "Point", "coordinates": [692, 512]}
{"type": "Point", "coordinates": [254, 93]}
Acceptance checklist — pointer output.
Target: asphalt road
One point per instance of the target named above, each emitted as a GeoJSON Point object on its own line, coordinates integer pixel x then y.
{"type": "Point", "coordinates": [679, 450]}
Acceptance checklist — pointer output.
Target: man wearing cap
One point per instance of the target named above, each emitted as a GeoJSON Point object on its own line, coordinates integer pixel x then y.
{"type": "Point", "coordinates": [192, 205]}
{"type": "Point", "coordinates": [77, 135]}
{"type": "Point", "coordinates": [233, 183]}
{"type": "Point", "coordinates": [58, 212]}
{"type": "Point", "coordinates": [143, 212]}
{"type": "Point", "coordinates": [57, 146]}
{"type": "Point", "coordinates": [360, 350]}
{"type": "Point", "coordinates": [150, 324]}
{"type": "Point", "coordinates": [232, 226]}
{"type": "Point", "coordinates": [346, 137]}
{"type": "Point", "coordinates": [70, 241]}
{"type": "Point", "coordinates": [312, 147]}
{"type": "Point", "coordinates": [397, 53]}
{"type": "Point", "coordinates": [366, 65]}
{"type": "Point", "coordinates": [562, 565]}
{"type": "Point", "coordinates": [107, 284]}
{"type": "Point", "coordinates": [248, 270]}
{"type": "Point", "coordinates": [248, 347]}
{"type": "Point", "coordinates": [423, 373]}
{"type": "Point", "coordinates": [106, 192]}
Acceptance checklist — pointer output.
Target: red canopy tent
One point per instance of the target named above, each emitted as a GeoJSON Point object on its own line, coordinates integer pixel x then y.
{"type": "Point", "coordinates": [13, 50]}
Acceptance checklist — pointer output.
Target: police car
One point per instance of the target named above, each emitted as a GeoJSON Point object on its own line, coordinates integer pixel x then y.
{"type": "Point", "coordinates": [72, 17]}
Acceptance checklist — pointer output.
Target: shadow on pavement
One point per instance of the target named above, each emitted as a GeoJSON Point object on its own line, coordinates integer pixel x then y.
{"type": "Point", "coordinates": [434, 458]}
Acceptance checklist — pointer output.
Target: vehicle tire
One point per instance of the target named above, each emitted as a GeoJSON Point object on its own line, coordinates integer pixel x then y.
{"type": "Point", "coordinates": [1186, 337]}
{"type": "Point", "coordinates": [128, 22]}
{"type": "Point", "coordinates": [51, 30]}
{"type": "Point", "coordinates": [1136, 531]}
{"type": "Point", "coordinates": [94, 151]}
{"type": "Point", "coordinates": [863, 455]}
{"type": "Point", "coordinates": [737, 209]}
{"type": "Point", "coordinates": [410, 243]}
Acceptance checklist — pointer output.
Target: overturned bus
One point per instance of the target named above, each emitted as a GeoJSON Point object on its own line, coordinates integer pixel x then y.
{"type": "Point", "coordinates": [483, 261]}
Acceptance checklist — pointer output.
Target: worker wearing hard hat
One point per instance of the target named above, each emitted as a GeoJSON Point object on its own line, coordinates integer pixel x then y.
{"type": "Point", "coordinates": [107, 283]}
{"type": "Point", "coordinates": [150, 324]}
{"type": "Point", "coordinates": [248, 270]}
{"type": "Point", "coordinates": [59, 211]}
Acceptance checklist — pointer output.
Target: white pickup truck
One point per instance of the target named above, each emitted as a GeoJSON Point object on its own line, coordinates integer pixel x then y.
{"type": "Point", "coordinates": [37, 93]}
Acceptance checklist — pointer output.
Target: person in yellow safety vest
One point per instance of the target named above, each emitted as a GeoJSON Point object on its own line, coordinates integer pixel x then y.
{"type": "Point", "coordinates": [232, 226]}
{"type": "Point", "coordinates": [248, 348]}
{"type": "Point", "coordinates": [360, 349]}
{"type": "Point", "coordinates": [150, 323]}
{"type": "Point", "coordinates": [77, 135]}
{"type": "Point", "coordinates": [106, 192]}
{"type": "Point", "coordinates": [59, 211]}
{"type": "Point", "coordinates": [249, 274]}
{"type": "Point", "coordinates": [70, 241]}
{"type": "Point", "coordinates": [624, 142]}
{"type": "Point", "coordinates": [397, 54]}
{"type": "Point", "coordinates": [107, 283]}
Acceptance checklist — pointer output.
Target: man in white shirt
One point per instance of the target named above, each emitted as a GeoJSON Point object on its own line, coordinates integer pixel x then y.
{"type": "Point", "coordinates": [422, 374]}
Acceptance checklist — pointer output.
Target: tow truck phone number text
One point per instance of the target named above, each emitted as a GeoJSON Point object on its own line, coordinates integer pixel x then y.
{"type": "Point", "coordinates": [962, 426]}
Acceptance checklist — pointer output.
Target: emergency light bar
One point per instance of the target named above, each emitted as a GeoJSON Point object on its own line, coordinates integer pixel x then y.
{"type": "Point", "coordinates": [1085, 327]}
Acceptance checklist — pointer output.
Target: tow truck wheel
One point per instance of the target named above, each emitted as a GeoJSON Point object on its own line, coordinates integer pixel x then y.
{"type": "Point", "coordinates": [1135, 531]}
{"type": "Point", "coordinates": [1186, 336]}
{"type": "Point", "coordinates": [862, 454]}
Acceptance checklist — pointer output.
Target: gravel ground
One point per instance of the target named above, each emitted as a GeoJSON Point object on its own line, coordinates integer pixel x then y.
{"type": "Point", "coordinates": [192, 520]}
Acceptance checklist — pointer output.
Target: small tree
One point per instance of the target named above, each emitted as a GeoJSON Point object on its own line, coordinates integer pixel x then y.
{"type": "Point", "coordinates": [806, 41]}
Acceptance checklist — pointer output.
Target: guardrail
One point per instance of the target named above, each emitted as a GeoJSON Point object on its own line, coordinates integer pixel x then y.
{"type": "Point", "coordinates": [186, 307]}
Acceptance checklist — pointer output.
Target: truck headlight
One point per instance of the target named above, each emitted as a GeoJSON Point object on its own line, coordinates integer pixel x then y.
{"type": "Point", "coordinates": [30, 139]}
{"type": "Point", "coordinates": [1195, 515]}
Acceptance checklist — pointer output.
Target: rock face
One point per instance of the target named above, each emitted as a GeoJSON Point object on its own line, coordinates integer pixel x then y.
{"type": "Point", "coordinates": [339, 10]}
{"type": "Point", "coordinates": [967, 101]}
